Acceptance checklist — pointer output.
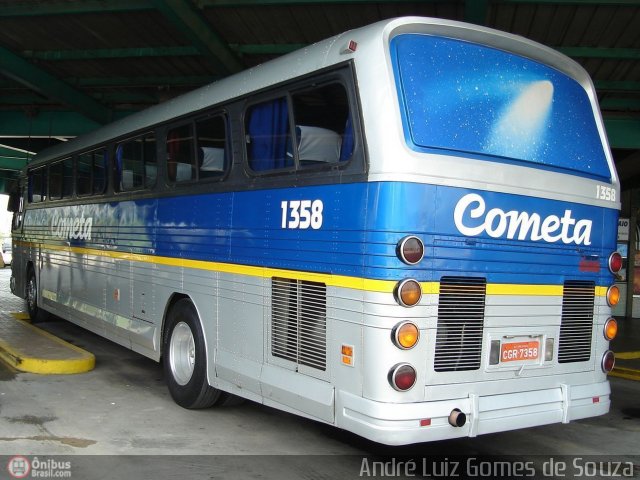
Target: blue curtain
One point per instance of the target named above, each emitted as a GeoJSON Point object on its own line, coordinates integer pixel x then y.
{"type": "Point", "coordinates": [346, 149]}
{"type": "Point", "coordinates": [268, 130]}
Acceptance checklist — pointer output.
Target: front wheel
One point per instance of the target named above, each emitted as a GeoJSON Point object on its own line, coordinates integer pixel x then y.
{"type": "Point", "coordinates": [36, 314]}
{"type": "Point", "coordinates": [185, 359]}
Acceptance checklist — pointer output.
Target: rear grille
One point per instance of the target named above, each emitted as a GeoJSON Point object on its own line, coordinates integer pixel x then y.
{"type": "Point", "coordinates": [299, 322]}
{"type": "Point", "coordinates": [577, 322]}
{"type": "Point", "coordinates": [460, 324]}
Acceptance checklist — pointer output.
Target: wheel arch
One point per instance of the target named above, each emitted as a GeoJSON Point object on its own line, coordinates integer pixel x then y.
{"type": "Point", "coordinates": [173, 299]}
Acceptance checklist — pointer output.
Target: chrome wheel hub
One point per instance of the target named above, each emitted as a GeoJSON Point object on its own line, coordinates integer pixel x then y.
{"type": "Point", "coordinates": [182, 353]}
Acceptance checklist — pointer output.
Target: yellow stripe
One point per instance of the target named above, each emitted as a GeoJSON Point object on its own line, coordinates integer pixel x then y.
{"type": "Point", "coordinates": [355, 283]}
{"type": "Point", "coordinates": [628, 355]}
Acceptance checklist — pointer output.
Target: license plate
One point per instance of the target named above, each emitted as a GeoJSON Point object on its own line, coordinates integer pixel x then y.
{"type": "Point", "coordinates": [519, 351]}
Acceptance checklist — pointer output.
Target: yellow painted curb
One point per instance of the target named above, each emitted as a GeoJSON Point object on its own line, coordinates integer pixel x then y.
{"type": "Point", "coordinates": [628, 355]}
{"type": "Point", "coordinates": [627, 373]}
{"type": "Point", "coordinates": [79, 361]}
{"type": "Point", "coordinates": [24, 316]}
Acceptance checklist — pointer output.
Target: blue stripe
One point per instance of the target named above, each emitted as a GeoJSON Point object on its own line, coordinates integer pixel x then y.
{"type": "Point", "coordinates": [362, 223]}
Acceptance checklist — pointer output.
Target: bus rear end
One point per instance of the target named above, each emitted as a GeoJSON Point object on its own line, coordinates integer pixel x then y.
{"type": "Point", "coordinates": [492, 210]}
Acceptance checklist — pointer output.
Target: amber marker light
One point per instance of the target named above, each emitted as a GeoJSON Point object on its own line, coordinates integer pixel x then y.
{"type": "Point", "coordinates": [405, 335]}
{"type": "Point", "coordinates": [408, 293]}
{"type": "Point", "coordinates": [610, 329]}
{"type": "Point", "coordinates": [613, 295]}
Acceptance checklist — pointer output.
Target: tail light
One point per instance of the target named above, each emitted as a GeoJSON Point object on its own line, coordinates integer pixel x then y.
{"type": "Point", "coordinates": [615, 262]}
{"type": "Point", "coordinates": [402, 377]}
{"type": "Point", "coordinates": [410, 250]}
{"type": "Point", "coordinates": [608, 361]}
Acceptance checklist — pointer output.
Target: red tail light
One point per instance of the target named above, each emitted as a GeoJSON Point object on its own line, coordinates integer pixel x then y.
{"type": "Point", "coordinates": [608, 361]}
{"type": "Point", "coordinates": [402, 377]}
{"type": "Point", "coordinates": [615, 262]}
{"type": "Point", "coordinates": [410, 250]}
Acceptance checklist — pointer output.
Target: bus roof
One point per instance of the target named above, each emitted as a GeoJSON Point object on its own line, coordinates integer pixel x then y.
{"type": "Point", "coordinates": [370, 39]}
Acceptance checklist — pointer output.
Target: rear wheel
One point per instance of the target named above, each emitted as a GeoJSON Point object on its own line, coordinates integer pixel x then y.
{"type": "Point", "coordinates": [185, 359]}
{"type": "Point", "coordinates": [36, 313]}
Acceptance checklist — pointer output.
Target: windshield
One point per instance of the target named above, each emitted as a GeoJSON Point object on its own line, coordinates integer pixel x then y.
{"type": "Point", "coordinates": [463, 97]}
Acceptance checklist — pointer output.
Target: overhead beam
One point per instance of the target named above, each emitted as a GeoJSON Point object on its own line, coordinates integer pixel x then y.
{"type": "Point", "coordinates": [194, 27]}
{"type": "Point", "coordinates": [475, 11]}
{"type": "Point", "coordinates": [620, 103]}
{"type": "Point", "coordinates": [105, 6]}
{"type": "Point", "coordinates": [632, 3]}
{"type": "Point", "coordinates": [12, 160]}
{"type": "Point", "coordinates": [601, 52]}
{"type": "Point", "coordinates": [617, 86]}
{"type": "Point", "coordinates": [38, 80]}
{"type": "Point", "coordinates": [153, 52]}
{"type": "Point", "coordinates": [35, 100]}
{"type": "Point", "coordinates": [237, 3]}
{"type": "Point", "coordinates": [623, 132]}
{"type": "Point", "coordinates": [47, 124]}
{"type": "Point", "coordinates": [147, 81]}
{"type": "Point", "coordinates": [30, 9]}
{"type": "Point", "coordinates": [102, 53]}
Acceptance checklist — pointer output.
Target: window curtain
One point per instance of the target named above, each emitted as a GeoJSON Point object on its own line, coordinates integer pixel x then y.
{"type": "Point", "coordinates": [268, 130]}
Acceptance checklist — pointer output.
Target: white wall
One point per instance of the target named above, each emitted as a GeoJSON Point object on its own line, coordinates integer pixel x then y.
{"type": "Point", "coordinates": [5, 218]}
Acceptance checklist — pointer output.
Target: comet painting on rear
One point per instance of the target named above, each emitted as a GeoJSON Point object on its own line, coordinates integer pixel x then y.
{"type": "Point", "coordinates": [385, 231]}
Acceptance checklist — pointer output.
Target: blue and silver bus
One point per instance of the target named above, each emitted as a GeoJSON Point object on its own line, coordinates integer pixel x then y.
{"type": "Point", "coordinates": [406, 231]}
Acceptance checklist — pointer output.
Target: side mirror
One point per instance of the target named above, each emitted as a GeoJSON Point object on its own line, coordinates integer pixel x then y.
{"type": "Point", "coordinates": [14, 201]}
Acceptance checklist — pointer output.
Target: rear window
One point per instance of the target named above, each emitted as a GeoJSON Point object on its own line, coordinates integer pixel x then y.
{"type": "Point", "coordinates": [458, 96]}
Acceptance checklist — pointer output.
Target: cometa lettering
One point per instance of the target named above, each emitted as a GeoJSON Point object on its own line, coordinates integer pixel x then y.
{"type": "Point", "coordinates": [472, 219]}
{"type": "Point", "coordinates": [73, 228]}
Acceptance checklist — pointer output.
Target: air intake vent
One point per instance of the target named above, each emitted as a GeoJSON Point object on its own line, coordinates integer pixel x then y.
{"type": "Point", "coordinates": [577, 322]}
{"type": "Point", "coordinates": [299, 322]}
{"type": "Point", "coordinates": [460, 324]}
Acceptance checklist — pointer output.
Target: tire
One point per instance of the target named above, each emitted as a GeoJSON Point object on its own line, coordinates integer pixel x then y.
{"type": "Point", "coordinates": [184, 359]}
{"type": "Point", "coordinates": [36, 314]}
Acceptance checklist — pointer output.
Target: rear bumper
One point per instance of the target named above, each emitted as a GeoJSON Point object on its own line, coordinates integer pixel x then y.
{"type": "Point", "coordinates": [400, 424]}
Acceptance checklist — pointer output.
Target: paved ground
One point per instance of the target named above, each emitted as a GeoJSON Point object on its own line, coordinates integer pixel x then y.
{"type": "Point", "coordinates": [122, 412]}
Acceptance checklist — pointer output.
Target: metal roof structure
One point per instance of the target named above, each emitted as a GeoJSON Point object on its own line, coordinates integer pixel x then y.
{"type": "Point", "coordinates": [69, 66]}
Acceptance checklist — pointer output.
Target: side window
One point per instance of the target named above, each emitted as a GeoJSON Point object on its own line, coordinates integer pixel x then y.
{"type": "Point", "coordinates": [268, 136]}
{"type": "Point", "coordinates": [211, 147]}
{"type": "Point", "coordinates": [56, 176]}
{"type": "Point", "coordinates": [100, 162]}
{"type": "Point", "coordinates": [61, 179]}
{"type": "Point", "coordinates": [324, 132]}
{"type": "Point", "coordinates": [135, 163]}
{"type": "Point", "coordinates": [321, 126]}
{"type": "Point", "coordinates": [91, 172]}
{"type": "Point", "coordinates": [38, 185]}
{"type": "Point", "coordinates": [67, 174]}
{"type": "Point", "coordinates": [181, 159]}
